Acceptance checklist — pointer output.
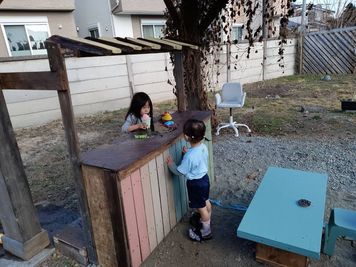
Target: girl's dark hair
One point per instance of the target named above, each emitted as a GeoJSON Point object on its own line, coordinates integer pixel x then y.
{"type": "Point", "coordinates": [137, 102]}
{"type": "Point", "coordinates": [194, 129]}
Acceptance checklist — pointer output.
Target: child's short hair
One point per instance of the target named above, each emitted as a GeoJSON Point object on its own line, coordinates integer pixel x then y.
{"type": "Point", "coordinates": [194, 129]}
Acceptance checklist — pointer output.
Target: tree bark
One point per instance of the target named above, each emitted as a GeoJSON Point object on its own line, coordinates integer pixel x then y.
{"type": "Point", "coordinates": [193, 81]}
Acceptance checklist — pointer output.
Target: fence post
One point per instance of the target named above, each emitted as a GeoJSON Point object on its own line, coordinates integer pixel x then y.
{"type": "Point", "coordinates": [264, 34]}
{"type": "Point", "coordinates": [130, 75]}
{"type": "Point", "coordinates": [228, 62]}
{"type": "Point", "coordinates": [301, 38]}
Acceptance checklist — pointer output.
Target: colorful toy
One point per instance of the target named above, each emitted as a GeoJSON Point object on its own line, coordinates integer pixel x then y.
{"type": "Point", "coordinates": [166, 116]}
{"type": "Point", "coordinates": [168, 124]}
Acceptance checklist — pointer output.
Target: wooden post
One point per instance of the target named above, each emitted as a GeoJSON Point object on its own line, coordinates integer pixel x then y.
{"type": "Point", "coordinates": [57, 64]}
{"type": "Point", "coordinates": [130, 75]}
{"type": "Point", "coordinates": [301, 38]}
{"type": "Point", "coordinates": [179, 77]}
{"type": "Point", "coordinates": [23, 234]}
{"type": "Point", "coordinates": [264, 35]}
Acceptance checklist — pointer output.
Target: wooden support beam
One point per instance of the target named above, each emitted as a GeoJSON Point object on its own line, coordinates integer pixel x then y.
{"type": "Point", "coordinates": [116, 41]}
{"type": "Point", "coordinates": [143, 42]}
{"type": "Point", "coordinates": [124, 49]}
{"type": "Point", "coordinates": [195, 47]}
{"type": "Point", "coordinates": [113, 49]}
{"type": "Point", "coordinates": [57, 64]}
{"type": "Point", "coordinates": [44, 80]}
{"type": "Point", "coordinates": [23, 234]}
{"type": "Point", "coordinates": [178, 72]}
{"type": "Point", "coordinates": [169, 45]}
{"type": "Point", "coordinates": [78, 46]}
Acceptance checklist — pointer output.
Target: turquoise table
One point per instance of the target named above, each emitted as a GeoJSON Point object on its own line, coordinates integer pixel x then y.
{"type": "Point", "coordinates": [275, 219]}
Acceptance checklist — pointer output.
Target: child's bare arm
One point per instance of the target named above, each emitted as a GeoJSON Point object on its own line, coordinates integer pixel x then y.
{"type": "Point", "coordinates": [172, 166]}
{"type": "Point", "coordinates": [136, 127]}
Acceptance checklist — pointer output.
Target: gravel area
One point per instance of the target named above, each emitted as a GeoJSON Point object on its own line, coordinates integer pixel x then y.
{"type": "Point", "coordinates": [240, 163]}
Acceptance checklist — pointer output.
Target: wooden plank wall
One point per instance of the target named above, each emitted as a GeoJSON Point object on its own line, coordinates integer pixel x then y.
{"type": "Point", "coordinates": [131, 215]}
{"type": "Point", "coordinates": [150, 205]}
{"type": "Point", "coordinates": [330, 52]}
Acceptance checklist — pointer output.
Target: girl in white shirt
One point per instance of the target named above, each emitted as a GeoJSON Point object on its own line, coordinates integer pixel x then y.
{"type": "Point", "coordinates": [141, 104]}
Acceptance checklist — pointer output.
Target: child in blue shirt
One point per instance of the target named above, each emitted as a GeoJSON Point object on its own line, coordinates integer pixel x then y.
{"type": "Point", "coordinates": [194, 167]}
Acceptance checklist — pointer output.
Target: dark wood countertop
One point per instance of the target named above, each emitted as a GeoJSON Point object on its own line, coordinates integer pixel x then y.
{"type": "Point", "coordinates": [129, 152]}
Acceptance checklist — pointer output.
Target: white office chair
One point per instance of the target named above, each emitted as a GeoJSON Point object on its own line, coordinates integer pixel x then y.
{"type": "Point", "coordinates": [232, 97]}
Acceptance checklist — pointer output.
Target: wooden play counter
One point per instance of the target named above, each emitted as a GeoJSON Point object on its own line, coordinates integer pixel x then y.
{"type": "Point", "coordinates": [134, 201]}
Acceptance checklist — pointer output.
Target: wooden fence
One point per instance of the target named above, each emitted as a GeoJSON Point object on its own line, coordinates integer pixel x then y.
{"type": "Point", "coordinates": [330, 52]}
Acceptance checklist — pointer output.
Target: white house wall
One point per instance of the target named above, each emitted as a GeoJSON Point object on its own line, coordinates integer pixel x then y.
{"type": "Point", "coordinates": [123, 25]}
{"type": "Point", "coordinates": [92, 14]}
{"type": "Point", "coordinates": [102, 83]}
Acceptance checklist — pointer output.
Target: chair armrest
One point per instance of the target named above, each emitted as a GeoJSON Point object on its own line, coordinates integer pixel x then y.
{"type": "Point", "coordinates": [217, 99]}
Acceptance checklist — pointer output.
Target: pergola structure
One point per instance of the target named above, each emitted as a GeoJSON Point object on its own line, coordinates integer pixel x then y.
{"type": "Point", "coordinates": [23, 235]}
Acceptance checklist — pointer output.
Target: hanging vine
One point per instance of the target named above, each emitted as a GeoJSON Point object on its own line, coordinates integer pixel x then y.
{"type": "Point", "coordinates": [208, 24]}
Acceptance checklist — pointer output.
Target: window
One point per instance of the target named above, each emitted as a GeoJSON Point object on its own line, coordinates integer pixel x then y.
{"type": "Point", "coordinates": [26, 39]}
{"type": "Point", "coordinates": [152, 28]}
{"type": "Point", "coordinates": [236, 33]}
{"type": "Point", "coordinates": [94, 32]}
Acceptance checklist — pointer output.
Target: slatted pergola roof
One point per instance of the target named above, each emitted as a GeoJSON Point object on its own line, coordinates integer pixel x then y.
{"type": "Point", "coordinates": [105, 46]}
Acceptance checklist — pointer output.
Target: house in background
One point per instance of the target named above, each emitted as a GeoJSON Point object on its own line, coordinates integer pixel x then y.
{"type": "Point", "coordinates": [25, 25]}
{"type": "Point", "coordinates": [317, 18]}
{"type": "Point", "coordinates": [124, 18]}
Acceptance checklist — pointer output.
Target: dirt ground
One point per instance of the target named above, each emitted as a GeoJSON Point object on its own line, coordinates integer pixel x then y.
{"type": "Point", "coordinates": [292, 107]}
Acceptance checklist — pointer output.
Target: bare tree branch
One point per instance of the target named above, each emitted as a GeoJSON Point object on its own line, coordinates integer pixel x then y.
{"type": "Point", "coordinates": [173, 13]}
{"type": "Point", "coordinates": [214, 9]}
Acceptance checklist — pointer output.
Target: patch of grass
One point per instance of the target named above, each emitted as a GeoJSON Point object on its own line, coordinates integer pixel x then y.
{"type": "Point", "coordinates": [271, 122]}
{"type": "Point", "coordinates": [273, 107]}
{"type": "Point", "coordinates": [316, 117]}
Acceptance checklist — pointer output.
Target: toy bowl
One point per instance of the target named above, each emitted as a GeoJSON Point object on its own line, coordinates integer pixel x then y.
{"type": "Point", "coordinates": [169, 124]}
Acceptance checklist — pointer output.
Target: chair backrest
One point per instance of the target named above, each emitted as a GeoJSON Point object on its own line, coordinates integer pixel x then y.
{"type": "Point", "coordinates": [232, 92]}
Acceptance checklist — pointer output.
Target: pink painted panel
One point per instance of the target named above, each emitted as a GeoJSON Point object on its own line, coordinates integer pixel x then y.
{"type": "Point", "coordinates": [170, 192]}
{"type": "Point", "coordinates": [130, 219]}
{"type": "Point", "coordinates": [147, 196]}
{"type": "Point", "coordinates": [140, 214]}
{"type": "Point", "coordinates": [156, 200]}
{"type": "Point", "coordinates": [163, 194]}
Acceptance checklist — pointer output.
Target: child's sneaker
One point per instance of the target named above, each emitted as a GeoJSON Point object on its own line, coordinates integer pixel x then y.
{"type": "Point", "coordinates": [194, 221]}
{"type": "Point", "coordinates": [196, 235]}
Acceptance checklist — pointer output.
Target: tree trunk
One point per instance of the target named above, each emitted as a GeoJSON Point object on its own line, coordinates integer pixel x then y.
{"type": "Point", "coordinates": [196, 96]}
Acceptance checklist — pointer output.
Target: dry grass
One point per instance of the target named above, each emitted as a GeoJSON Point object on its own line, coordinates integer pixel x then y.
{"type": "Point", "coordinates": [273, 107]}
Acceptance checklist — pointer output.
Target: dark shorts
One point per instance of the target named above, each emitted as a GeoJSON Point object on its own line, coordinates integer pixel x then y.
{"type": "Point", "coordinates": [198, 192]}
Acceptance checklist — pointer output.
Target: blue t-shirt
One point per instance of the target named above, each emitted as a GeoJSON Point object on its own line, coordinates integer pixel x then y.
{"type": "Point", "coordinates": [195, 162]}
